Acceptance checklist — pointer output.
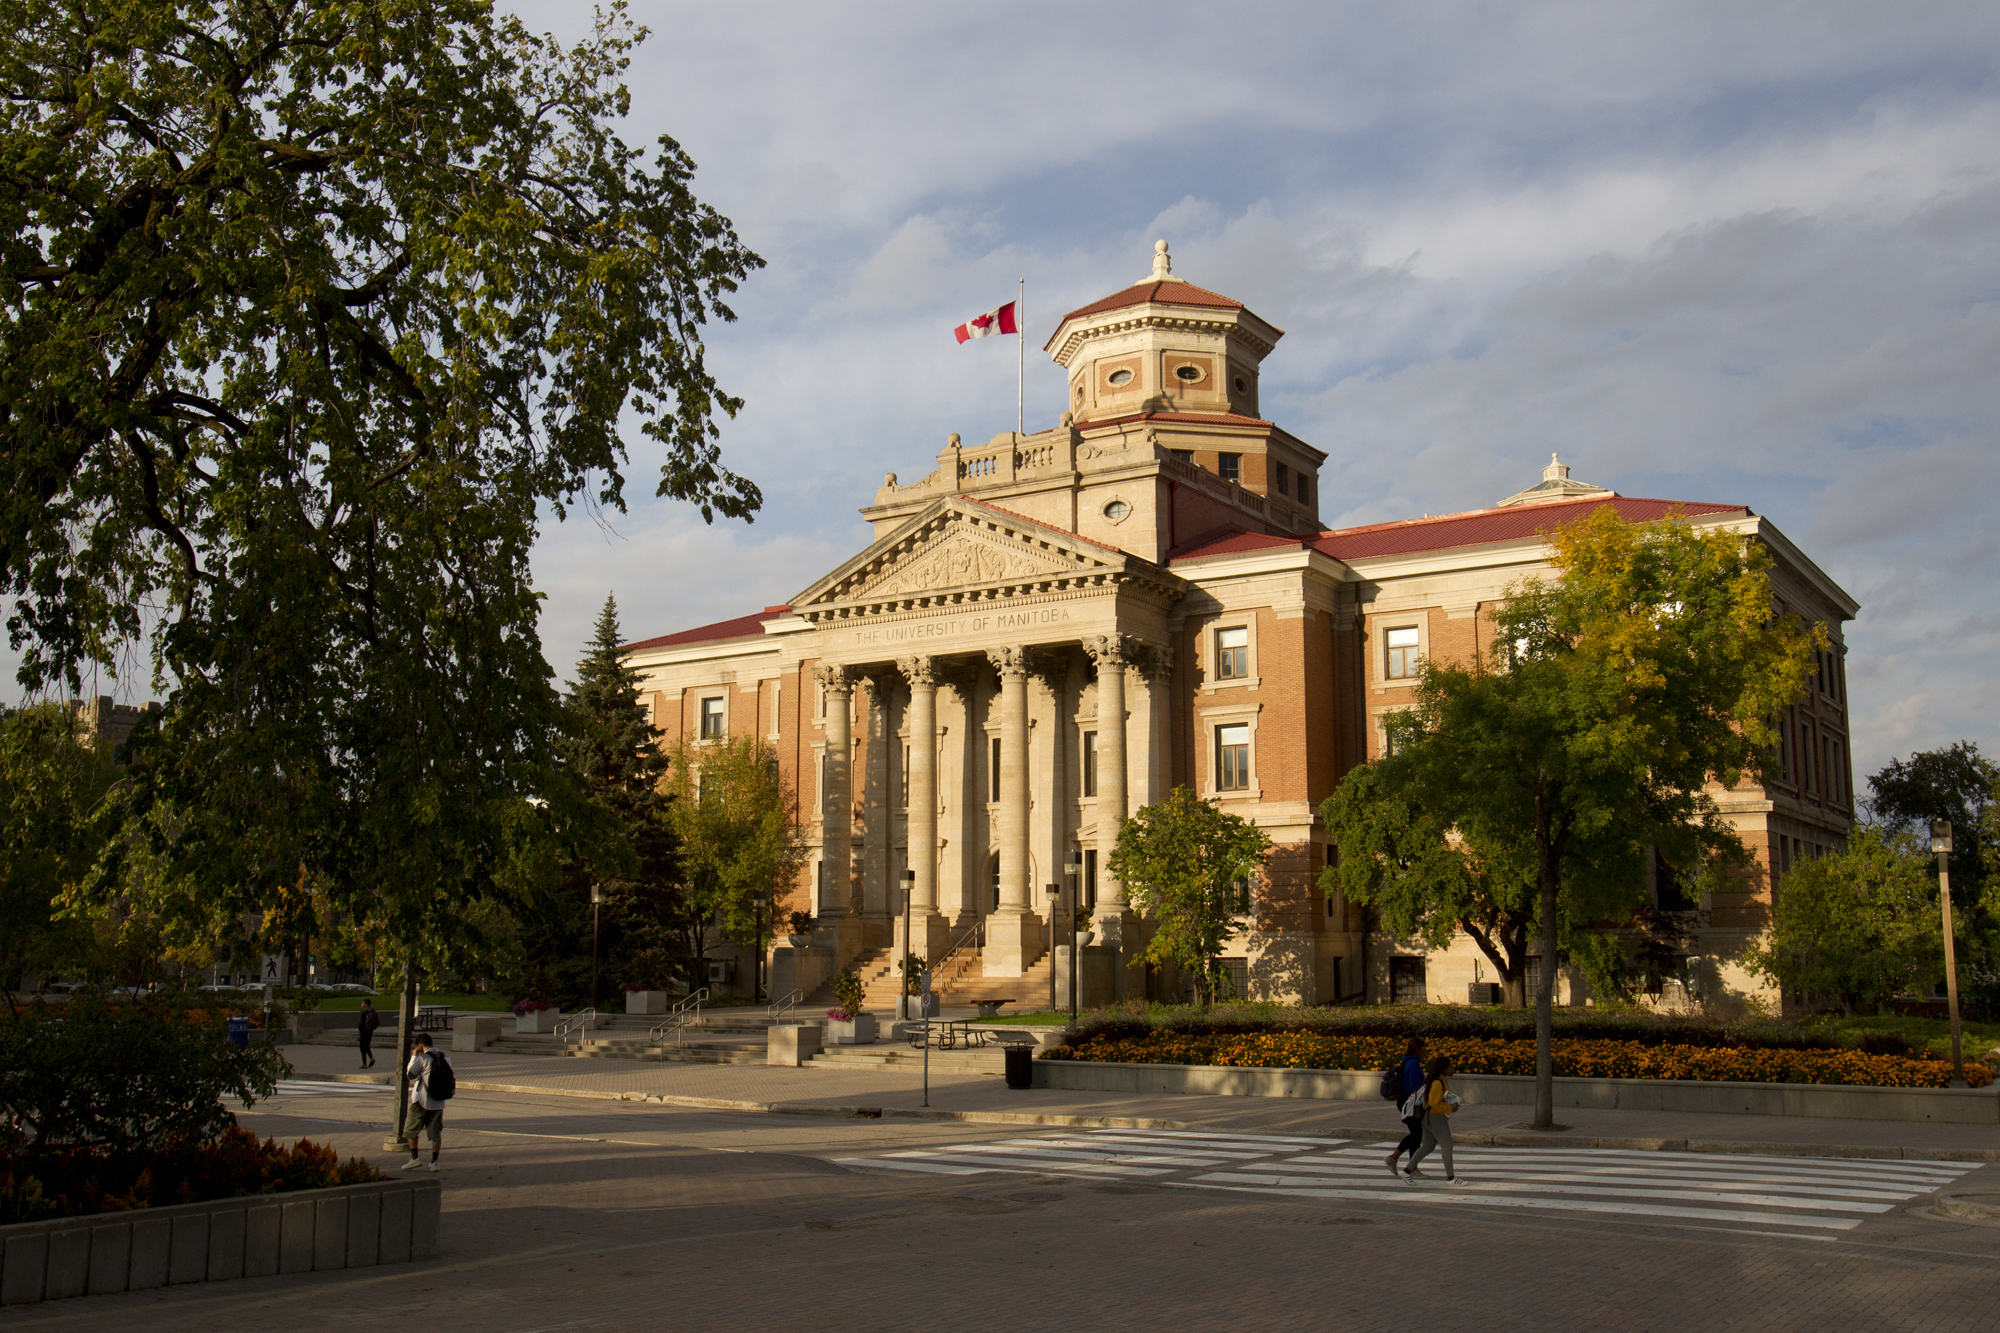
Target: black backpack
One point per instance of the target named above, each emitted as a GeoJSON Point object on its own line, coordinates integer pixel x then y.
{"type": "Point", "coordinates": [442, 1083]}
{"type": "Point", "coordinates": [1392, 1083]}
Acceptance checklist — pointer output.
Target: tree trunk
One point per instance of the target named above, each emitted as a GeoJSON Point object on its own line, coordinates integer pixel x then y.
{"type": "Point", "coordinates": [406, 1026]}
{"type": "Point", "coordinates": [1545, 993]}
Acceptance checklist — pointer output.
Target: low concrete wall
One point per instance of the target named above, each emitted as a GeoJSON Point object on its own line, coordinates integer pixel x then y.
{"type": "Point", "coordinates": [353, 1226]}
{"type": "Point", "coordinates": [472, 1032]}
{"type": "Point", "coordinates": [1953, 1106]}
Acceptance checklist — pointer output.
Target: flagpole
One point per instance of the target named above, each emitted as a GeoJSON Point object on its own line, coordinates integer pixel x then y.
{"type": "Point", "coordinates": [1021, 368]}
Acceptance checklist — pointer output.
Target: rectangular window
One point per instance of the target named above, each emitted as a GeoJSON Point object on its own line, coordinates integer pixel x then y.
{"type": "Point", "coordinates": [1404, 656]}
{"type": "Point", "coordinates": [1243, 894]}
{"type": "Point", "coordinates": [1090, 879]}
{"type": "Point", "coordinates": [711, 719]}
{"type": "Point", "coordinates": [993, 771]}
{"type": "Point", "coordinates": [1185, 455]}
{"type": "Point", "coordinates": [1805, 757]}
{"type": "Point", "coordinates": [1833, 791]}
{"type": "Point", "coordinates": [1284, 480]}
{"type": "Point", "coordinates": [1305, 489]}
{"type": "Point", "coordinates": [1237, 970]}
{"type": "Point", "coordinates": [708, 789]}
{"type": "Point", "coordinates": [1406, 981]}
{"type": "Point", "coordinates": [1785, 750]}
{"type": "Point", "coordinates": [1229, 467]}
{"type": "Point", "coordinates": [1232, 757]}
{"type": "Point", "coordinates": [1232, 653]}
{"type": "Point", "coordinates": [906, 777]}
{"type": "Point", "coordinates": [1532, 978]}
{"type": "Point", "coordinates": [1090, 763]}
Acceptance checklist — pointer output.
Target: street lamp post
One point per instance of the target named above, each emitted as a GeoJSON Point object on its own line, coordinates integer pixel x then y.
{"type": "Point", "coordinates": [903, 990]}
{"type": "Point", "coordinates": [596, 898]}
{"type": "Point", "coordinates": [1055, 905]}
{"type": "Point", "coordinates": [1071, 873]}
{"type": "Point", "coordinates": [1941, 844]}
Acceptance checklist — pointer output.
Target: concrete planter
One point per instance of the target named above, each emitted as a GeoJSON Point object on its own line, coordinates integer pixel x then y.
{"type": "Point", "coordinates": [537, 1020]}
{"type": "Point", "coordinates": [648, 1001]}
{"type": "Point", "coordinates": [352, 1226]}
{"type": "Point", "coordinates": [856, 1031]}
{"type": "Point", "coordinates": [1820, 1100]}
{"type": "Point", "coordinates": [790, 1045]}
{"type": "Point", "coordinates": [473, 1032]}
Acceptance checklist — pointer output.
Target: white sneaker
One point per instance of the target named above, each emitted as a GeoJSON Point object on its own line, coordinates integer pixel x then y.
{"type": "Point", "coordinates": [1455, 1180]}
{"type": "Point", "coordinates": [1413, 1174]}
{"type": "Point", "coordinates": [413, 1165]}
{"type": "Point", "coordinates": [430, 1166]}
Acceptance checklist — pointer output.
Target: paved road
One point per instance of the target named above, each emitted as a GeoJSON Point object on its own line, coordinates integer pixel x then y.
{"type": "Point", "coordinates": [585, 1216]}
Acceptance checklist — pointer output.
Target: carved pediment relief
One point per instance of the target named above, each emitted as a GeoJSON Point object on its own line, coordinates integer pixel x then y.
{"type": "Point", "coordinates": [959, 557]}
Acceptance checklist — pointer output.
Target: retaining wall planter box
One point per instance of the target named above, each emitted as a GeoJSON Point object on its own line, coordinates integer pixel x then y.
{"type": "Point", "coordinates": [537, 1020]}
{"type": "Point", "coordinates": [1951, 1106]}
{"type": "Point", "coordinates": [859, 1030]}
{"type": "Point", "coordinates": [351, 1226]}
{"type": "Point", "coordinates": [648, 1001]}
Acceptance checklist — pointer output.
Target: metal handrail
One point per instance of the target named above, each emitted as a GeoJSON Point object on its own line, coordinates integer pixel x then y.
{"type": "Point", "coordinates": [972, 939]}
{"type": "Point", "coordinates": [779, 1008]}
{"type": "Point", "coordinates": [679, 1017]}
{"type": "Point", "coordinates": [578, 1022]}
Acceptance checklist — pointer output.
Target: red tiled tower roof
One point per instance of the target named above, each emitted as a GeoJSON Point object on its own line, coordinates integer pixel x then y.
{"type": "Point", "coordinates": [1171, 291]}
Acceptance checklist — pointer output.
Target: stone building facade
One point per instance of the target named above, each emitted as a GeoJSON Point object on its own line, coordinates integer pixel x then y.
{"type": "Point", "coordinates": [1051, 630]}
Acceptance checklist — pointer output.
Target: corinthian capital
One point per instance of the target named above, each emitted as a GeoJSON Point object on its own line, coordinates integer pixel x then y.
{"type": "Point", "coordinates": [837, 680]}
{"type": "Point", "coordinates": [1012, 663]}
{"type": "Point", "coordinates": [1108, 650]}
{"type": "Point", "coordinates": [921, 672]}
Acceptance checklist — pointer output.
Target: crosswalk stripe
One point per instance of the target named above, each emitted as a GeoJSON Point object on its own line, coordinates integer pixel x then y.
{"type": "Point", "coordinates": [1797, 1197]}
{"type": "Point", "coordinates": [300, 1087]}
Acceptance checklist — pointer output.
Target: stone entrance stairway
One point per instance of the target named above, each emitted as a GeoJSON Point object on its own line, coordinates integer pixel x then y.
{"type": "Point", "coordinates": [718, 1037]}
{"type": "Point", "coordinates": [960, 982]}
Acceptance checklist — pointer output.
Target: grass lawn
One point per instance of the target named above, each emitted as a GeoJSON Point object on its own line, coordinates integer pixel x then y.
{"type": "Point", "coordinates": [1976, 1039]}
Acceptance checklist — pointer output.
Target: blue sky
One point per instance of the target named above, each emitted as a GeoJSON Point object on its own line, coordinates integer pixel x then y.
{"type": "Point", "coordinates": [1708, 252]}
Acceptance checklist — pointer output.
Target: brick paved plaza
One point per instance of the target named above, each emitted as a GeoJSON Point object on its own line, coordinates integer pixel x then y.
{"type": "Point", "coordinates": [567, 1213]}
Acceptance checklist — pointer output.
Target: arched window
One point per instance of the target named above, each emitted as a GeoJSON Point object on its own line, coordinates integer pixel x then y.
{"type": "Point", "coordinates": [993, 876]}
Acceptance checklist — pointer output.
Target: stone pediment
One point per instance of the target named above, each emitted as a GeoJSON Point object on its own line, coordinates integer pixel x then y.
{"type": "Point", "coordinates": [958, 550]}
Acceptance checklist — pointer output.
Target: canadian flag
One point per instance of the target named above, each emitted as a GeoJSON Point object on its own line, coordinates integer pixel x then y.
{"type": "Point", "coordinates": [989, 324]}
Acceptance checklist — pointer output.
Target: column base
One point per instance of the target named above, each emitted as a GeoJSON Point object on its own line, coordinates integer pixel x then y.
{"type": "Point", "coordinates": [930, 936]}
{"type": "Point", "coordinates": [1014, 940]}
{"type": "Point", "coordinates": [847, 936]}
{"type": "Point", "coordinates": [1121, 931]}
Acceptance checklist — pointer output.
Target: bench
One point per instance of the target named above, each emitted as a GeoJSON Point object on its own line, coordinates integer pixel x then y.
{"type": "Point", "coordinates": [950, 1033]}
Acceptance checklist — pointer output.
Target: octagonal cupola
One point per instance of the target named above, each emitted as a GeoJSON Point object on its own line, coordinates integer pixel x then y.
{"type": "Point", "coordinates": [1162, 345]}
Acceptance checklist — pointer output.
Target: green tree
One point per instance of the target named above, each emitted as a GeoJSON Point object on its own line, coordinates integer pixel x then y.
{"type": "Point", "coordinates": [1856, 927]}
{"type": "Point", "coordinates": [1181, 861]}
{"type": "Point", "coordinates": [1422, 878]}
{"type": "Point", "coordinates": [736, 819]}
{"type": "Point", "coordinates": [51, 787]}
{"type": "Point", "coordinates": [313, 308]}
{"type": "Point", "coordinates": [1647, 669]}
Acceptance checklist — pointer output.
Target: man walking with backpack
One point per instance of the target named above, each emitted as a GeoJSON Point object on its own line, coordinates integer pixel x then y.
{"type": "Point", "coordinates": [1407, 1089]}
{"type": "Point", "coordinates": [370, 1020]}
{"type": "Point", "coordinates": [432, 1083]}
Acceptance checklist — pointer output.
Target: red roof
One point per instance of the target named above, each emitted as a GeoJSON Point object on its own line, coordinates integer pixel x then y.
{"type": "Point", "coordinates": [1230, 541]}
{"type": "Point", "coordinates": [1482, 526]}
{"type": "Point", "coordinates": [740, 628]}
{"type": "Point", "coordinates": [1170, 292]}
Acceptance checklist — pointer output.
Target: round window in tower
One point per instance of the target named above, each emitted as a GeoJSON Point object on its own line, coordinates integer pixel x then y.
{"type": "Point", "coordinates": [1188, 374]}
{"type": "Point", "coordinates": [1117, 510]}
{"type": "Point", "coordinates": [1118, 379]}
{"type": "Point", "coordinates": [1242, 386]}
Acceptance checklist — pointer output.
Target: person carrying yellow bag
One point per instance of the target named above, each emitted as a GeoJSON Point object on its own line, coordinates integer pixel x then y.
{"type": "Point", "coordinates": [1439, 1103]}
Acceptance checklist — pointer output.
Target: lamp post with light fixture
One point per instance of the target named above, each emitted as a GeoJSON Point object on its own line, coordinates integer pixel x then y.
{"type": "Point", "coordinates": [596, 899]}
{"type": "Point", "coordinates": [1941, 844]}
{"type": "Point", "coordinates": [1072, 872]}
{"type": "Point", "coordinates": [903, 990]}
{"type": "Point", "coordinates": [1055, 905]}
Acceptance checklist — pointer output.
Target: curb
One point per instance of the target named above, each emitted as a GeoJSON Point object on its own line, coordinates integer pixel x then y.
{"type": "Point", "coordinates": [1473, 1138]}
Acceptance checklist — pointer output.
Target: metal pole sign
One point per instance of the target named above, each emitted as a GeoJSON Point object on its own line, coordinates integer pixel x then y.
{"type": "Point", "coordinates": [1941, 844]}
{"type": "Point", "coordinates": [926, 998]}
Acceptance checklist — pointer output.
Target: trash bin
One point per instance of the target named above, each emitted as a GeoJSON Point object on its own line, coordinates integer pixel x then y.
{"type": "Point", "coordinates": [1020, 1066]}
{"type": "Point", "coordinates": [239, 1029]}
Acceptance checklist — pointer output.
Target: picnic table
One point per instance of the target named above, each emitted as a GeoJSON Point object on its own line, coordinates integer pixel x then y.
{"type": "Point", "coordinates": [950, 1033]}
{"type": "Point", "coordinates": [433, 1017]}
{"type": "Point", "coordinates": [991, 1008]}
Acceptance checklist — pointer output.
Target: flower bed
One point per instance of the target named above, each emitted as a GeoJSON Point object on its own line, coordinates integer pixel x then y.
{"type": "Point", "coordinates": [1574, 1058]}
{"type": "Point", "coordinates": [77, 1181]}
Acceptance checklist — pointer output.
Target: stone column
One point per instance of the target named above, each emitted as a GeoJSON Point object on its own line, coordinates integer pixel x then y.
{"type": "Point", "coordinates": [930, 933]}
{"type": "Point", "coordinates": [841, 925]}
{"type": "Point", "coordinates": [1114, 918]}
{"type": "Point", "coordinates": [1013, 932]}
{"type": "Point", "coordinates": [876, 685]}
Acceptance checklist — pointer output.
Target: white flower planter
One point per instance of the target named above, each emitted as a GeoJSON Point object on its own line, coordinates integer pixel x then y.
{"type": "Point", "coordinates": [856, 1031]}
{"type": "Point", "coordinates": [537, 1020]}
{"type": "Point", "coordinates": [648, 1001]}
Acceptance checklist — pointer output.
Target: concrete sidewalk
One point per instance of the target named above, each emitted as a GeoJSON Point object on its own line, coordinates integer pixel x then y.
{"type": "Point", "coordinates": [986, 1097]}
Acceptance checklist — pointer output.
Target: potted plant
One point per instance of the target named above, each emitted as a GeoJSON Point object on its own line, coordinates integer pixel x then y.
{"type": "Point", "coordinates": [646, 990]}
{"type": "Point", "coordinates": [846, 1025]}
{"type": "Point", "coordinates": [802, 924]}
{"type": "Point", "coordinates": [535, 1016]}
